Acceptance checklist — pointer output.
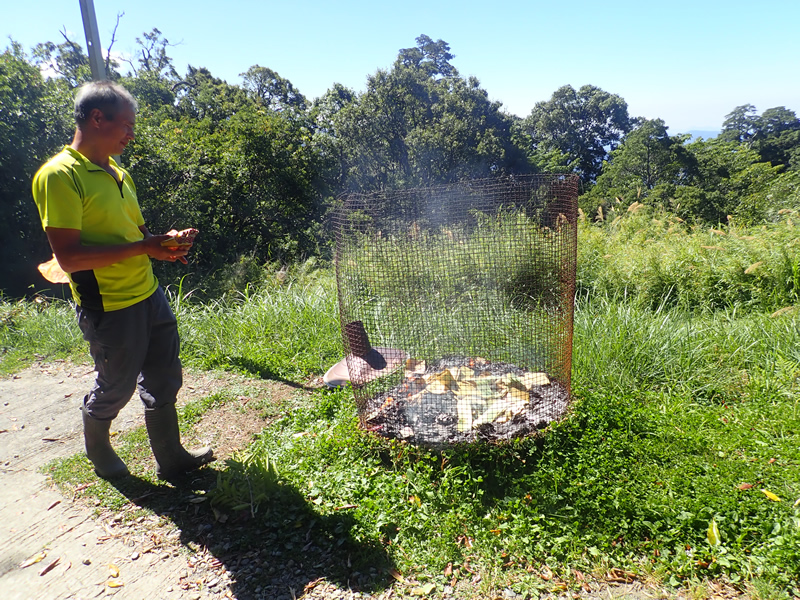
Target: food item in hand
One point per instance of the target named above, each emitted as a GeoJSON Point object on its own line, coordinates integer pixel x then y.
{"type": "Point", "coordinates": [181, 238]}
{"type": "Point", "coordinates": [52, 271]}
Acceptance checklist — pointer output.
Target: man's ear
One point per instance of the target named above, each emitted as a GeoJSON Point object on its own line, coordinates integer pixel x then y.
{"type": "Point", "coordinates": [96, 117]}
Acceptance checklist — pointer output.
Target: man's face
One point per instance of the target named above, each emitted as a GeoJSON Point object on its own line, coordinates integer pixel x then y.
{"type": "Point", "coordinates": [117, 131]}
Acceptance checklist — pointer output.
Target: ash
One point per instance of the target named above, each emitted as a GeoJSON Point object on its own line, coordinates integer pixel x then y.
{"type": "Point", "coordinates": [425, 418]}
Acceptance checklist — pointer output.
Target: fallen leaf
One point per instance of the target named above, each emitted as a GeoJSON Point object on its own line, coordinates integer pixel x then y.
{"type": "Point", "coordinates": [448, 570]}
{"type": "Point", "coordinates": [534, 379]}
{"type": "Point", "coordinates": [770, 495]}
{"type": "Point", "coordinates": [114, 583]}
{"type": "Point", "coordinates": [54, 504]}
{"type": "Point", "coordinates": [495, 408]}
{"type": "Point", "coordinates": [114, 570]}
{"type": "Point", "coordinates": [462, 373]}
{"type": "Point", "coordinates": [464, 408]}
{"type": "Point", "coordinates": [745, 486]}
{"type": "Point", "coordinates": [712, 535]}
{"type": "Point", "coordinates": [441, 383]}
{"type": "Point", "coordinates": [33, 560]}
{"type": "Point", "coordinates": [49, 567]}
{"type": "Point", "coordinates": [423, 590]}
{"type": "Point", "coordinates": [415, 366]}
{"type": "Point", "coordinates": [396, 574]}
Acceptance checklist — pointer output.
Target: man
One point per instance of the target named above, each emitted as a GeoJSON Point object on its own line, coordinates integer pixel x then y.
{"type": "Point", "coordinates": [94, 224]}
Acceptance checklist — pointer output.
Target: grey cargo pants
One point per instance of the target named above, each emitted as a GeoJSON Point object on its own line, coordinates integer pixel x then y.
{"type": "Point", "coordinates": [135, 347]}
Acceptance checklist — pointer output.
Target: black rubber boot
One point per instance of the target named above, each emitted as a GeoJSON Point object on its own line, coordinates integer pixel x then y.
{"type": "Point", "coordinates": [98, 448]}
{"type": "Point", "coordinates": [172, 459]}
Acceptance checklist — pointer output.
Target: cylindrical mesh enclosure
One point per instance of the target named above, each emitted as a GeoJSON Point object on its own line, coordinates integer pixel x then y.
{"type": "Point", "coordinates": [456, 306]}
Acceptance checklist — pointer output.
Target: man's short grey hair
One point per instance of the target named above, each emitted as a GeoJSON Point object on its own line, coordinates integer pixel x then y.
{"type": "Point", "coordinates": [109, 97]}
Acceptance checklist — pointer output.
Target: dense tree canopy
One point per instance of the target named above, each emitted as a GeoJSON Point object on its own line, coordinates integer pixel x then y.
{"type": "Point", "coordinates": [35, 119]}
{"type": "Point", "coordinates": [585, 125]}
{"type": "Point", "coordinates": [420, 124]}
{"type": "Point", "coordinates": [255, 166]}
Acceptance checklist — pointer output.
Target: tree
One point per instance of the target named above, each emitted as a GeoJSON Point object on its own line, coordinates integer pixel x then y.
{"type": "Point", "coordinates": [67, 60]}
{"type": "Point", "coordinates": [775, 134]}
{"type": "Point", "coordinates": [35, 120]}
{"type": "Point", "coordinates": [203, 96]}
{"type": "Point", "coordinates": [432, 58]}
{"type": "Point", "coordinates": [647, 167]}
{"type": "Point", "coordinates": [647, 157]}
{"type": "Point", "coordinates": [421, 124]}
{"type": "Point", "coordinates": [585, 125]}
{"type": "Point", "coordinates": [777, 137]}
{"type": "Point", "coordinates": [152, 58]}
{"type": "Point", "coordinates": [271, 90]}
{"type": "Point", "coordinates": [730, 179]}
{"type": "Point", "coordinates": [248, 182]}
{"type": "Point", "coordinates": [740, 125]}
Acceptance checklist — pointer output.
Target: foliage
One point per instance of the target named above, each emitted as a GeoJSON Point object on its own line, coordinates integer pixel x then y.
{"type": "Point", "coordinates": [421, 124]}
{"type": "Point", "coordinates": [702, 181]}
{"type": "Point", "coordinates": [648, 157]}
{"type": "Point", "coordinates": [652, 257]}
{"type": "Point", "coordinates": [584, 124]}
{"type": "Point", "coordinates": [248, 182]}
{"type": "Point", "coordinates": [775, 134]}
{"type": "Point", "coordinates": [256, 166]}
{"type": "Point", "coordinates": [271, 90]}
{"type": "Point", "coordinates": [35, 116]}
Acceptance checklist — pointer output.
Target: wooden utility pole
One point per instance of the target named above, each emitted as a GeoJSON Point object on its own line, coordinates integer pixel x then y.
{"type": "Point", "coordinates": [92, 40]}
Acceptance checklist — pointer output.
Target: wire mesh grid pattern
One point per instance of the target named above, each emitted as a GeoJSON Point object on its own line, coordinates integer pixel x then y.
{"type": "Point", "coordinates": [456, 306]}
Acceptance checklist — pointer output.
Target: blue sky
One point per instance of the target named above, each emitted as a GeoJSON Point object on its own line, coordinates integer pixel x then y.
{"type": "Point", "coordinates": [688, 62]}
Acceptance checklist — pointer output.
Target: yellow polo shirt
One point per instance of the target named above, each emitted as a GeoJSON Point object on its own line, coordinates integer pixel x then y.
{"type": "Point", "coordinates": [71, 192]}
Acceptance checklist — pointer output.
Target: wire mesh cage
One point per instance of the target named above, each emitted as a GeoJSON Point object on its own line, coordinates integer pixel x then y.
{"type": "Point", "coordinates": [456, 307]}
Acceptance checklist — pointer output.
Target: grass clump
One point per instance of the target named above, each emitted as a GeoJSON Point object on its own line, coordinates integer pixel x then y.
{"type": "Point", "coordinates": [285, 330]}
{"type": "Point", "coordinates": [650, 257]}
{"type": "Point", "coordinates": [42, 327]}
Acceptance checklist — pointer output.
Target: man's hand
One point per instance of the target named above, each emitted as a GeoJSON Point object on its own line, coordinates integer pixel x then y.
{"type": "Point", "coordinates": [155, 248]}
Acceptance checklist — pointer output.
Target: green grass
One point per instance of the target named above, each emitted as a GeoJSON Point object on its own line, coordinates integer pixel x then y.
{"type": "Point", "coordinates": [36, 329]}
{"type": "Point", "coordinates": [283, 331]}
{"type": "Point", "coordinates": [632, 480]}
{"type": "Point", "coordinates": [651, 258]}
{"type": "Point", "coordinates": [686, 413]}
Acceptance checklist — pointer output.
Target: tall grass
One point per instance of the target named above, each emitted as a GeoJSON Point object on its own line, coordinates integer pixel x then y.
{"type": "Point", "coordinates": [41, 328]}
{"type": "Point", "coordinates": [287, 329]}
{"type": "Point", "coordinates": [650, 258]}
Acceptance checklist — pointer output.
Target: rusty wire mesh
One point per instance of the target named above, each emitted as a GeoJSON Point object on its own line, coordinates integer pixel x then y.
{"type": "Point", "coordinates": [456, 306]}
